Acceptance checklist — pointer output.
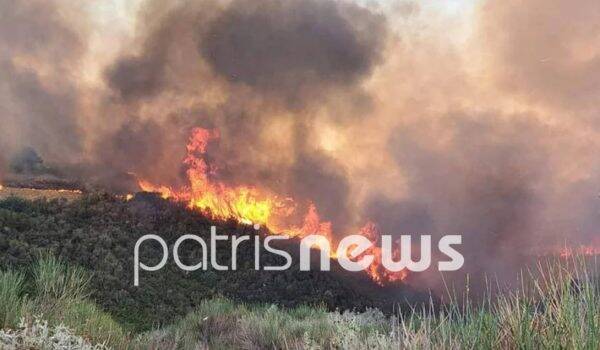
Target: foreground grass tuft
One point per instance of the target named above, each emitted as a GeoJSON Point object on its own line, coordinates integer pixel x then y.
{"type": "Point", "coordinates": [60, 297]}
{"type": "Point", "coordinates": [54, 280]}
{"type": "Point", "coordinates": [11, 297]}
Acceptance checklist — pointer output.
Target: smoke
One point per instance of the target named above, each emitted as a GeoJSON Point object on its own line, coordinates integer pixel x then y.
{"type": "Point", "coordinates": [554, 60]}
{"type": "Point", "coordinates": [248, 69]}
{"type": "Point", "coordinates": [293, 50]}
{"type": "Point", "coordinates": [499, 148]}
{"type": "Point", "coordinates": [39, 98]}
{"type": "Point", "coordinates": [485, 182]}
{"type": "Point", "coordinates": [2, 167]}
{"type": "Point", "coordinates": [480, 121]}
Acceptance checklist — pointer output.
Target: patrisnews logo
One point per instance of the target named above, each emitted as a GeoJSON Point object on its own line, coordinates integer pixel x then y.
{"type": "Point", "coordinates": [352, 253]}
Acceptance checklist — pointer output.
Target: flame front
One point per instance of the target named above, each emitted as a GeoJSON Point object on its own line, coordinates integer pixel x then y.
{"type": "Point", "coordinates": [253, 205]}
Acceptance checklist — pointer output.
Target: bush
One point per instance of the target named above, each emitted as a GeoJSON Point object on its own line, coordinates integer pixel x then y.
{"type": "Point", "coordinates": [99, 232]}
{"type": "Point", "coordinates": [559, 309]}
{"type": "Point", "coordinates": [59, 298]}
{"type": "Point", "coordinates": [55, 280]}
{"type": "Point", "coordinates": [87, 320]}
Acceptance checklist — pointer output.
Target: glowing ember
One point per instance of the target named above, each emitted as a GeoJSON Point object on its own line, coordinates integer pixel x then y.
{"type": "Point", "coordinates": [582, 250]}
{"type": "Point", "coordinates": [255, 206]}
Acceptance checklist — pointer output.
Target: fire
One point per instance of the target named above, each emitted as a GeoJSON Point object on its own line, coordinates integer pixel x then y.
{"type": "Point", "coordinates": [566, 251]}
{"type": "Point", "coordinates": [215, 199]}
{"type": "Point", "coordinates": [312, 225]}
{"type": "Point", "coordinates": [255, 206]}
{"type": "Point", "coordinates": [164, 191]}
{"type": "Point", "coordinates": [582, 250]}
{"type": "Point", "coordinates": [376, 270]}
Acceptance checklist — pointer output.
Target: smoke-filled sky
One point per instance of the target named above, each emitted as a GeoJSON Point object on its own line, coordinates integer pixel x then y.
{"type": "Point", "coordinates": [440, 117]}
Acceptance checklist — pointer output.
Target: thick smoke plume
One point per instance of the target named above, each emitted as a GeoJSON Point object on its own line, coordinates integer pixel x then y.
{"type": "Point", "coordinates": [479, 121]}
{"type": "Point", "coordinates": [252, 69]}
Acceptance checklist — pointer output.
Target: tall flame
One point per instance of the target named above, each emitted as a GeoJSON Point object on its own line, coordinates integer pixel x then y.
{"type": "Point", "coordinates": [253, 205]}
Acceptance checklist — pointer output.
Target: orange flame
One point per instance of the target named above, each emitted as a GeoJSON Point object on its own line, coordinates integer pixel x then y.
{"type": "Point", "coordinates": [376, 270]}
{"type": "Point", "coordinates": [251, 205]}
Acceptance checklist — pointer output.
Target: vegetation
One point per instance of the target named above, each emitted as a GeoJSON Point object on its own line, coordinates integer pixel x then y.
{"type": "Point", "coordinates": [54, 293]}
{"type": "Point", "coordinates": [11, 290]}
{"type": "Point", "coordinates": [559, 309]}
{"type": "Point", "coordinates": [38, 335]}
{"type": "Point", "coordinates": [60, 288]}
{"type": "Point", "coordinates": [98, 232]}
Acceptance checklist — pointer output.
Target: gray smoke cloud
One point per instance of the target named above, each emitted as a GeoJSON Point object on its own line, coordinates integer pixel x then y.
{"type": "Point", "coordinates": [486, 183]}
{"type": "Point", "coordinates": [552, 60]}
{"type": "Point", "coordinates": [294, 50]}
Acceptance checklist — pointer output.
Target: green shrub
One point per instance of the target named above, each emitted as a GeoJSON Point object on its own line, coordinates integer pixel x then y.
{"type": "Point", "coordinates": [98, 232]}
{"type": "Point", "coordinates": [59, 298]}
{"type": "Point", "coordinates": [560, 308]}
{"type": "Point", "coordinates": [55, 280]}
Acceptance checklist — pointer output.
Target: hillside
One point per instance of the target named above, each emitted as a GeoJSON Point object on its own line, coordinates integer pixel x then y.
{"type": "Point", "coordinates": [99, 232]}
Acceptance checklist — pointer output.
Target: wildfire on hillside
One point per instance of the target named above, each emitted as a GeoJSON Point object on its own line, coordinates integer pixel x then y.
{"type": "Point", "coordinates": [256, 206]}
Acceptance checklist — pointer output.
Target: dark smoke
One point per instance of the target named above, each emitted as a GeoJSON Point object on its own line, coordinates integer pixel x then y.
{"type": "Point", "coordinates": [293, 48]}
{"type": "Point", "coordinates": [275, 61]}
{"type": "Point", "coordinates": [136, 77]}
{"type": "Point", "coordinates": [27, 161]}
{"type": "Point", "coordinates": [3, 166]}
{"type": "Point", "coordinates": [143, 74]}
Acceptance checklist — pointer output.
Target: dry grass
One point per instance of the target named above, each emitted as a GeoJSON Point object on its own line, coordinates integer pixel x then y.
{"type": "Point", "coordinates": [32, 194]}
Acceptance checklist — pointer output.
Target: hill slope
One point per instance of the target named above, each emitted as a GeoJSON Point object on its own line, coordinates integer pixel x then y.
{"type": "Point", "coordinates": [99, 232]}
